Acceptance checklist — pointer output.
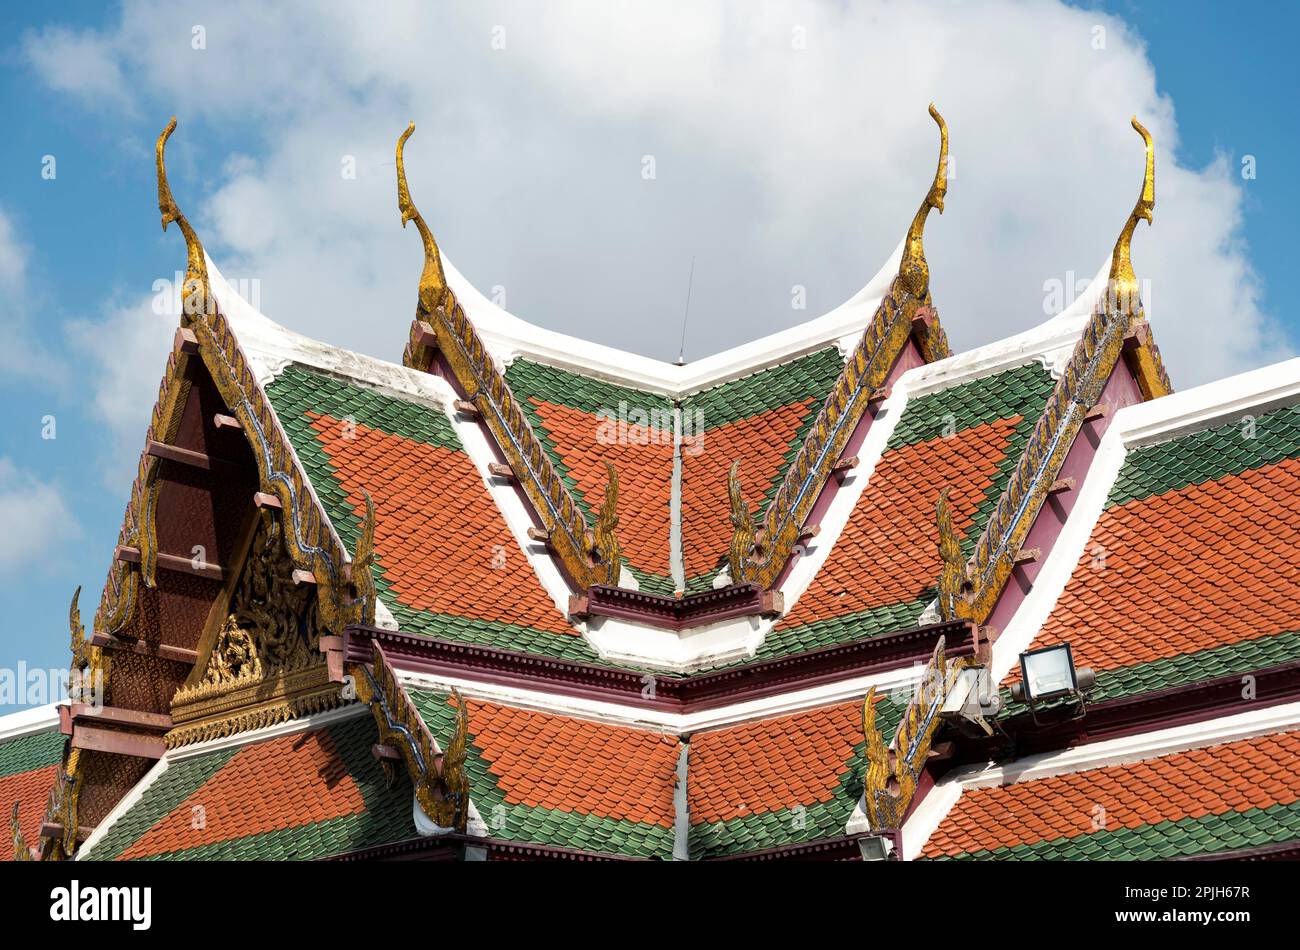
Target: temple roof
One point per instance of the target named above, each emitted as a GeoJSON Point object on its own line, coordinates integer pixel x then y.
{"type": "Point", "coordinates": [31, 748]}
{"type": "Point", "coordinates": [600, 606]}
{"type": "Point", "coordinates": [1224, 797]}
{"type": "Point", "coordinates": [310, 791]}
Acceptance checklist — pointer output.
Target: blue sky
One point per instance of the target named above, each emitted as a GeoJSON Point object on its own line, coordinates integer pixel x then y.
{"type": "Point", "coordinates": [525, 162]}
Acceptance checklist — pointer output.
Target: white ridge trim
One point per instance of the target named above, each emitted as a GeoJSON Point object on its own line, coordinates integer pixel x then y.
{"type": "Point", "coordinates": [1122, 751]}
{"type": "Point", "coordinates": [899, 681]}
{"type": "Point", "coordinates": [26, 722]}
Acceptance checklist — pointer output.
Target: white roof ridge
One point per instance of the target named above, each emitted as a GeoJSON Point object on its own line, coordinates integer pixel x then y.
{"type": "Point", "coordinates": [510, 336]}
{"type": "Point", "coordinates": [271, 346]}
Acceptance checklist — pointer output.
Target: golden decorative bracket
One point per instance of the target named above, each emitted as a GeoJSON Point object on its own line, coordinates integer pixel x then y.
{"type": "Point", "coordinates": [892, 774]}
{"type": "Point", "coordinates": [441, 783]}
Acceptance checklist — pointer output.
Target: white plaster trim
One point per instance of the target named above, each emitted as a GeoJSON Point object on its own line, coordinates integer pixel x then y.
{"type": "Point", "coordinates": [1123, 751]}
{"type": "Point", "coordinates": [26, 722]}
{"type": "Point", "coordinates": [619, 714]}
{"type": "Point", "coordinates": [672, 651]}
{"type": "Point", "coordinates": [508, 336]}
{"type": "Point", "coordinates": [1136, 748]}
{"type": "Point", "coordinates": [1210, 405]}
{"type": "Point", "coordinates": [514, 512]}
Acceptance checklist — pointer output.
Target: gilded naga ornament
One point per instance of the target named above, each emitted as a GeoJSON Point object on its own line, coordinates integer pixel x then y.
{"type": "Point", "coordinates": [606, 538]}
{"type": "Point", "coordinates": [905, 313]}
{"type": "Point", "coordinates": [195, 296]}
{"type": "Point", "coordinates": [913, 269]}
{"type": "Point", "coordinates": [743, 531]}
{"type": "Point", "coordinates": [953, 588]}
{"type": "Point", "coordinates": [1123, 282]}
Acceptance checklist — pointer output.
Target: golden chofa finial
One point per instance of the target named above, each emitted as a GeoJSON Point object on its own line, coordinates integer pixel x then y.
{"type": "Point", "coordinates": [1123, 282]}
{"type": "Point", "coordinates": [432, 282]}
{"type": "Point", "coordinates": [913, 269]}
{"type": "Point", "coordinates": [194, 296]}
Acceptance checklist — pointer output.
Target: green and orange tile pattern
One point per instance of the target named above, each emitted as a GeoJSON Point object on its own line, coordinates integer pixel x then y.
{"type": "Point", "coordinates": [884, 567]}
{"type": "Point", "coordinates": [548, 779]}
{"type": "Point", "coordinates": [295, 797]}
{"type": "Point", "coordinates": [28, 767]}
{"type": "Point", "coordinates": [1188, 573]}
{"type": "Point", "coordinates": [584, 422]}
{"type": "Point", "coordinates": [446, 563]}
{"type": "Point", "coordinates": [761, 420]}
{"type": "Point", "coordinates": [778, 781]}
{"type": "Point", "coordinates": [1236, 795]}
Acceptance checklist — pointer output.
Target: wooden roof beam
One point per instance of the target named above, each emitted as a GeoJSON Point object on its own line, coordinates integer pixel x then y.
{"type": "Point", "coordinates": [174, 562]}
{"type": "Point", "coordinates": [145, 648]}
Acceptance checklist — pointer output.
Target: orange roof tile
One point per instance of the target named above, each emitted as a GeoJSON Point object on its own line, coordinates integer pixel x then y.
{"type": "Point", "coordinates": [1200, 567]}
{"type": "Point", "coordinates": [439, 536]}
{"type": "Point", "coordinates": [761, 443]}
{"type": "Point", "coordinates": [772, 764]}
{"type": "Point", "coordinates": [645, 475]}
{"type": "Point", "coordinates": [558, 762]}
{"type": "Point", "coordinates": [30, 790]}
{"type": "Point", "coordinates": [1235, 776]}
{"type": "Point", "coordinates": [888, 551]}
{"type": "Point", "coordinates": [280, 783]}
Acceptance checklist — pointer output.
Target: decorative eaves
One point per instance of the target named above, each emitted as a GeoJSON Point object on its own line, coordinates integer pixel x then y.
{"type": "Point", "coordinates": [441, 327]}
{"type": "Point", "coordinates": [905, 312]}
{"type": "Point", "coordinates": [441, 782]}
{"type": "Point", "coordinates": [1117, 325]}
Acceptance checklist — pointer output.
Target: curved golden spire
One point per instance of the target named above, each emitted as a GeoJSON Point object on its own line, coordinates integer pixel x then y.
{"type": "Point", "coordinates": [196, 268]}
{"type": "Point", "coordinates": [432, 281]}
{"type": "Point", "coordinates": [913, 268]}
{"type": "Point", "coordinates": [1123, 282]}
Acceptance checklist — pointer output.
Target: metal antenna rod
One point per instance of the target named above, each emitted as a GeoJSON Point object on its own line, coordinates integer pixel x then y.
{"type": "Point", "coordinates": [681, 353]}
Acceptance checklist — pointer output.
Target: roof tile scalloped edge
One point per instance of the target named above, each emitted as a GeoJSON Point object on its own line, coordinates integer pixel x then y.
{"type": "Point", "coordinates": [1126, 750]}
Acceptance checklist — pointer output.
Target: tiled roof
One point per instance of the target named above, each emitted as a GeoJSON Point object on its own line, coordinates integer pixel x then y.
{"type": "Point", "coordinates": [761, 420]}
{"type": "Point", "coordinates": [777, 781]}
{"type": "Point", "coordinates": [883, 569]}
{"type": "Point", "coordinates": [1236, 795]}
{"type": "Point", "coordinates": [28, 766]}
{"type": "Point", "coordinates": [543, 778]}
{"type": "Point", "coordinates": [446, 563]}
{"type": "Point", "coordinates": [300, 796]}
{"type": "Point", "coordinates": [1190, 572]}
{"type": "Point", "coordinates": [578, 420]}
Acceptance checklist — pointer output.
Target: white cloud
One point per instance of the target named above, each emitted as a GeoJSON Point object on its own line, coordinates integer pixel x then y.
{"type": "Point", "coordinates": [84, 64]}
{"type": "Point", "coordinates": [775, 165]}
{"type": "Point", "coordinates": [24, 356]}
{"type": "Point", "coordinates": [35, 512]}
{"type": "Point", "coordinates": [125, 351]}
{"type": "Point", "coordinates": [13, 256]}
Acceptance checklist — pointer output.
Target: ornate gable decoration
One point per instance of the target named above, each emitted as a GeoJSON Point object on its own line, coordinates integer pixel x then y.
{"type": "Point", "coordinates": [1119, 317]}
{"type": "Point", "coordinates": [439, 776]}
{"type": "Point", "coordinates": [442, 327]}
{"type": "Point", "coordinates": [263, 664]}
{"type": "Point", "coordinates": [906, 311]}
{"type": "Point", "coordinates": [893, 771]}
